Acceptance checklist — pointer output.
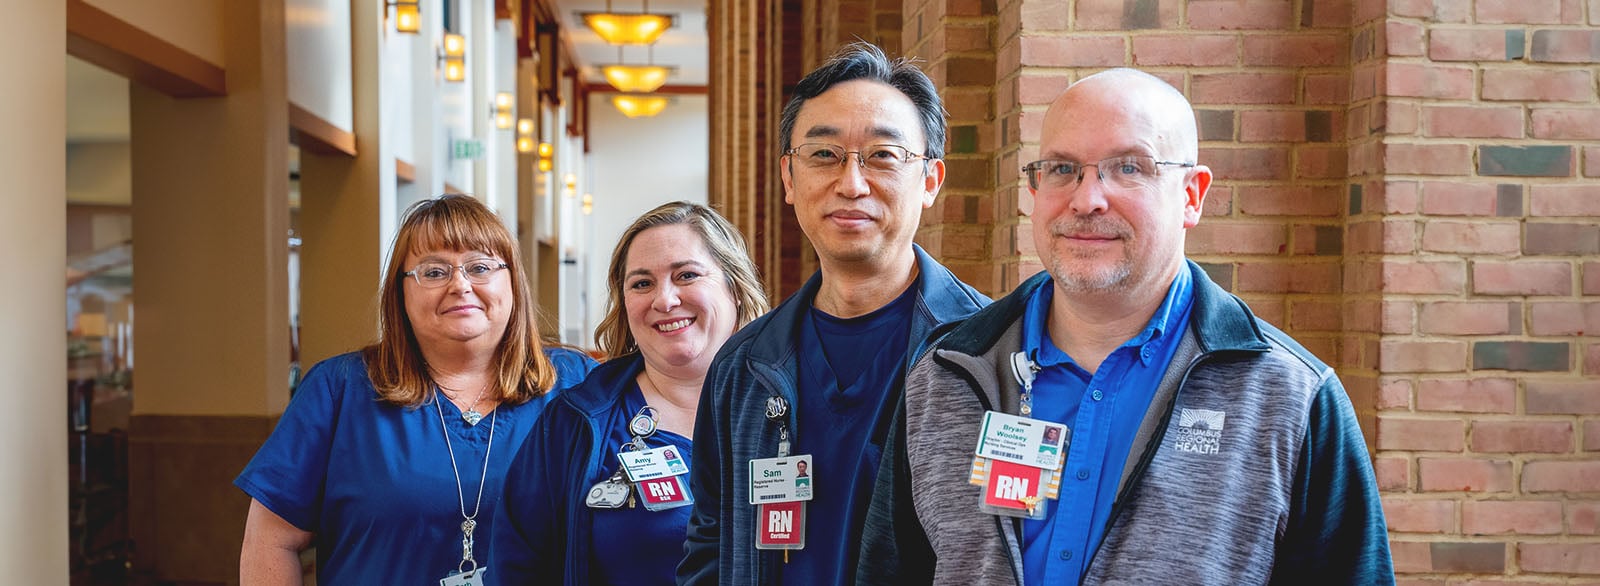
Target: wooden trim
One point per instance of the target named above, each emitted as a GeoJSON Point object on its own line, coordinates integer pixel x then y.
{"type": "Point", "coordinates": [96, 36]}
{"type": "Point", "coordinates": [448, 188]}
{"type": "Point", "coordinates": [606, 88]}
{"type": "Point", "coordinates": [313, 134]}
{"type": "Point", "coordinates": [405, 172]}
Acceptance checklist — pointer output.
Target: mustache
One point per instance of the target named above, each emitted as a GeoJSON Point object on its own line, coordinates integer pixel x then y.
{"type": "Point", "coordinates": [1091, 224]}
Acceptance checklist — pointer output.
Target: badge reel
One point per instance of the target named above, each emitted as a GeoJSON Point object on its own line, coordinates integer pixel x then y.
{"type": "Point", "coordinates": [616, 490]}
{"type": "Point", "coordinates": [779, 488]}
{"type": "Point", "coordinates": [1018, 460]}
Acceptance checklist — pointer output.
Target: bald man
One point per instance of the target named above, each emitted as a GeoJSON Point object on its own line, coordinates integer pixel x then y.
{"type": "Point", "coordinates": [1132, 421]}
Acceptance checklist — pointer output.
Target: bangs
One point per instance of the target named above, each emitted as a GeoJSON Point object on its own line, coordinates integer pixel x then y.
{"type": "Point", "coordinates": [443, 226]}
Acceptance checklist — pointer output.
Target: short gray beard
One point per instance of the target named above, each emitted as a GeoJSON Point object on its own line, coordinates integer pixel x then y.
{"type": "Point", "coordinates": [1071, 278]}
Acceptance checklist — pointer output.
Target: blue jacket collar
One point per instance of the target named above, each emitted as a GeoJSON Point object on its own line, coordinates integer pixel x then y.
{"type": "Point", "coordinates": [600, 389]}
{"type": "Point", "coordinates": [1220, 321]}
{"type": "Point", "coordinates": [940, 297]}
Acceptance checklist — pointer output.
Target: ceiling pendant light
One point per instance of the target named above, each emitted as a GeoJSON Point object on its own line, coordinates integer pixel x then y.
{"type": "Point", "coordinates": [641, 28]}
{"type": "Point", "coordinates": [639, 106]}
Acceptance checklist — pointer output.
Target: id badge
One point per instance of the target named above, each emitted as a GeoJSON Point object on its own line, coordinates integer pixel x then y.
{"type": "Point", "coordinates": [661, 494]}
{"type": "Point", "coordinates": [781, 480]}
{"type": "Point", "coordinates": [1014, 490]}
{"type": "Point", "coordinates": [1018, 463]}
{"type": "Point", "coordinates": [781, 525]}
{"type": "Point", "coordinates": [473, 578]}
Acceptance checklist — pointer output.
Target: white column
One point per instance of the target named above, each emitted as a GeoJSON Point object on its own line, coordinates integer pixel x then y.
{"type": "Point", "coordinates": [33, 347]}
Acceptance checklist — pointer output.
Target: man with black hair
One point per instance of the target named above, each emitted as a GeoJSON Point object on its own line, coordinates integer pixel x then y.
{"type": "Point", "coordinates": [863, 139]}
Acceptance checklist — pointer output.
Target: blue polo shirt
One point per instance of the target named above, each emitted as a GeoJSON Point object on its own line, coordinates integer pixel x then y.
{"type": "Point", "coordinates": [1104, 411]}
{"type": "Point", "coordinates": [846, 366]}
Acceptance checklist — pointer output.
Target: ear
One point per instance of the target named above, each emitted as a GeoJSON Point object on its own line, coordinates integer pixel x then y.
{"type": "Point", "coordinates": [786, 172]}
{"type": "Point", "coordinates": [932, 181]}
{"type": "Point", "coordinates": [1194, 191]}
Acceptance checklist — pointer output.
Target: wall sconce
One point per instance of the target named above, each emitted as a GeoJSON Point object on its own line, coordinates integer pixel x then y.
{"type": "Point", "coordinates": [407, 17]}
{"type": "Point", "coordinates": [639, 106]}
{"type": "Point", "coordinates": [454, 57]}
{"type": "Point", "coordinates": [502, 110]}
{"type": "Point", "coordinates": [640, 28]}
{"type": "Point", "coordinates": [546, 157]}
{"type": "Point", "coordinates": [572, 185]}
{"type": "Point", "coordinates": [588, 204]}
{"type": "Point", "coordinates": [525, 142]}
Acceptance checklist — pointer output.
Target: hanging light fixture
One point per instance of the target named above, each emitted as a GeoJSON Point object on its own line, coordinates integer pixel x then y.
{"type": "Point", "coordinates": [641, 28]}
{"type": "Point", "coordinates": [635, 78]}
{"type": "Point", "coordinates": [406, 16]}
{"type": "Point", "coordinates": [454, 57]}
{"type": "Point", "coordinates": [638, 105]}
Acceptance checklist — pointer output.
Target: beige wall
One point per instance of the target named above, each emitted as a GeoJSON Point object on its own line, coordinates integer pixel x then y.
{"type": "Point", "coordinates": [192, 25]}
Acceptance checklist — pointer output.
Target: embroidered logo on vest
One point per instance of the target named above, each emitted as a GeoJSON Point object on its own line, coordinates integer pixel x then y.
{"type": "Point", "coordinates": [1200, 431]}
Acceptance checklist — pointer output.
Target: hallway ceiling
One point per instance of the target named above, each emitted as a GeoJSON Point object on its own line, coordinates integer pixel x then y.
{"type": "Point", "coordinates": [685, 47]}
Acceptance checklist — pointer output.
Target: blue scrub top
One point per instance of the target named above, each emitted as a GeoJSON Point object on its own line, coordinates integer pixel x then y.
{"type": "Point", "coordinates": [637, 546]}
{"type": "Point", "coordinates": [373, 481]}
{"type": "Point", "coordinates": [1104, 411]}
{"type": "Point", "coordinates": [846, 367]}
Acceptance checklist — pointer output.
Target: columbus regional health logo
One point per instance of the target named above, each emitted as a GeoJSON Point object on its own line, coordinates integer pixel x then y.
{"type": "Point", "coordinates": [1200, 431]}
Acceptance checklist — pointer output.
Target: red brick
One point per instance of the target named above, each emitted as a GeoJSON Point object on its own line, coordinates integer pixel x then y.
{"type": "Point", "coordinates": [1582, 199]}
{"type": "Point", "coordinates": [1396, 197]}
{"type": "Point", "coordinates": [1272, 126]}
{"type": "Point", "coordinates": [1428, 159]}
{"type": "Point", "coordinates": [1566, 46]}
{"type": "Point", "coordinates": [1518, 11]}
{"type": "Point", "coordinates": [1463, 474]}
{"type": "Point", "coordinates": [1566, 123]}
{"type": "Point", "coordinates": [1564, 558]}
{"type": "Point", "coordinates": [1327, 88]}
{"type": "Point", "coordinates": [1074, 51]}
{"type": "Point", "coordinates": [1040, 89]}
{"type": "Point", "coordinates": [1190, 50]}
{"type": "Point", "coordinates": [1440, 198]}
{"type": "Point", "coordinates": [1415, 80]}
{"type": "Point", "coordinates": [1393, 473]}
{"type": "Point", "coordinates": [1247, 164]}
{"type": "Point", "coordinates": [1547, 437]}
{"type": "Point", "coordinates": [1420, 516]}
{"type": "Point", "coordinates": [1431, 435]}
{"type": "Point", "coordinates": [1242, 88]}
{"type": "Point", "coordinates": [1398, 317]}
{"type": "Point", "coordinates": [1591, 364]}
{"type": "Point", "coordinates": [1591, 278]}
{"type": "Point", "coordinates": [1583, 518]}
{"type": "Point", "coordinates": [1400, 355]}
{"type": "Point", "coordinates": [1290, 200]}
{"type": "Point", "coordinates": [1544, 85]}
{"type": "Point", "coordinates": [1411, 556]}
{"type": "Point", "coordinates": [1424, 277]}
{"type": "Point", "coordinates": [1102, 15]}
{"type": "Point", "coordinates": [1591, 158]}
{"type": "Point", "coordinates": [1478, 395]}
{"type": "Point", "coordinates": [1321, 162]}
{"type": "Point", "coordinates": [1465, 318]}
{"type": "Point", "coordinates": [1400, 118]}
{"type": "Point", "coordinates": [1474, 44]}
{"type": "Point", "coordinates": [1394, 394]}
{"type": "Point", "coordinates": [1240, 14]}
{"type": "Point", "coordinates": [1564, 318]}
{"type": "Point", "coordinates": [1404, 38]}
{"type": "Point", "coordinates": [1314, 316]}
{"type": "Point", "coordinates": [1302, 277]}
{"type": "Point", "coordinates": [1219, 201]}
{"type": "Point", "coordinates": [1561, 476]}
{"type": "Point", "coordinates": [1236, 238]}
{"type": "Point", "coordinates": [1521, 517]}
{"type": "Point", "coordinates": [1452, 11]}
{"type": "Point", "coordinates": [1472, 237]}
{"type": "Point", "coordinates": [1522, 277]}
{"type": "Point", "coordinates": [1470, 122]}
{"type": "Point", "coordinates": [1386, 237]}
{"type": "Point", "coordinates": [1296, 50]}
{"type": "Point", "coordinates": [1562, 397]}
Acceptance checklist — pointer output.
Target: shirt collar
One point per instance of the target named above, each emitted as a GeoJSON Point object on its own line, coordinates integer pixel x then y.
{"type": "Point", "coordinates": [1036, 337]}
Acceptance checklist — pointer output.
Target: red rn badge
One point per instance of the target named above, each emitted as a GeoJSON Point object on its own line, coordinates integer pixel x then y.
{"type": "Point", "coordinates": [1012, 486]}
{"type": "Point", "coordinates": [781, 525]}
{"type": "Point", "coordinates": [662, 491]}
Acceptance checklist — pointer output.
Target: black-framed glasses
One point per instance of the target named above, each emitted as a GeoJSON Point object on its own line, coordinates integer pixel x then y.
{"type": "Point", "coordinates": [886, 158]}
{"type": "Point", "coordinates": [1125, 172]}
{"type": "Point", "coordinates": [436, 274]}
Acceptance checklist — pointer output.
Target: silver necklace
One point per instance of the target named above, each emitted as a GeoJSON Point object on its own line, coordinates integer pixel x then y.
{"type": "Point", "coordinates": [468, 522]}
{"type": "Point", "coordinates": [471, 414]}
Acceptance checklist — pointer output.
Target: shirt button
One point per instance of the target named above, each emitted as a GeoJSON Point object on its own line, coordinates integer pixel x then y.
{"type": "Point", "coordinates": [1066, 554]}
{"type": "Point", "coordinates": [1083, 474]}
{"type": "Point", "coordinates": [1097, 395]}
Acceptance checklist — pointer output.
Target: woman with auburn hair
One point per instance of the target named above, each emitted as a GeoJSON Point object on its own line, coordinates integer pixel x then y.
{"type": "Point", "coordinates": [681, 282]}
{"type": "Point", "coordinates": [391, 459]}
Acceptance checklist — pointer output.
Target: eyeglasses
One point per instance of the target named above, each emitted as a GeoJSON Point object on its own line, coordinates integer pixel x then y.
{"type": "Point", "coordinates": [883, 158]}
{"type": "Point", "coordinates": [436, 274]}
{"type": "Point", "coordinates": [1128, 172]}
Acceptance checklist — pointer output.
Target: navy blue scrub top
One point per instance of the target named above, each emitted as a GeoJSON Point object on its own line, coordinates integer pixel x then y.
{"type": "Point", "coordinates": [373, 481]}
{"type": "Point", "coordinates": [637, 546]}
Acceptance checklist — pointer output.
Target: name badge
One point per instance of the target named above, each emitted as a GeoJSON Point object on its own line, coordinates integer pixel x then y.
{"type": "Point", "coordinates": [781, 526]}
{"type": "Point", "coordinates": [1021, 440]}
{"type": "Point", "coordinates": [664, 493]}
{"type": "Point", "coordinates": [651, 464]}
{"type": "Point", "coordinates": [473, 578]}
{"type": "Point", "coordinates": [780, 480]}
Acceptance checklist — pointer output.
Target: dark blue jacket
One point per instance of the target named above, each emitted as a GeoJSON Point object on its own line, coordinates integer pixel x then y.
{"type": "Point", "coordinates": [544, 531]}
{"type": "Point", "coordinates": [731, 427]}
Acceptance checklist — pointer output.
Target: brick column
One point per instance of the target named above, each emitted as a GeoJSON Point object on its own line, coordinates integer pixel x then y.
{"type": "Point", "coordinates": [1486, 434]}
